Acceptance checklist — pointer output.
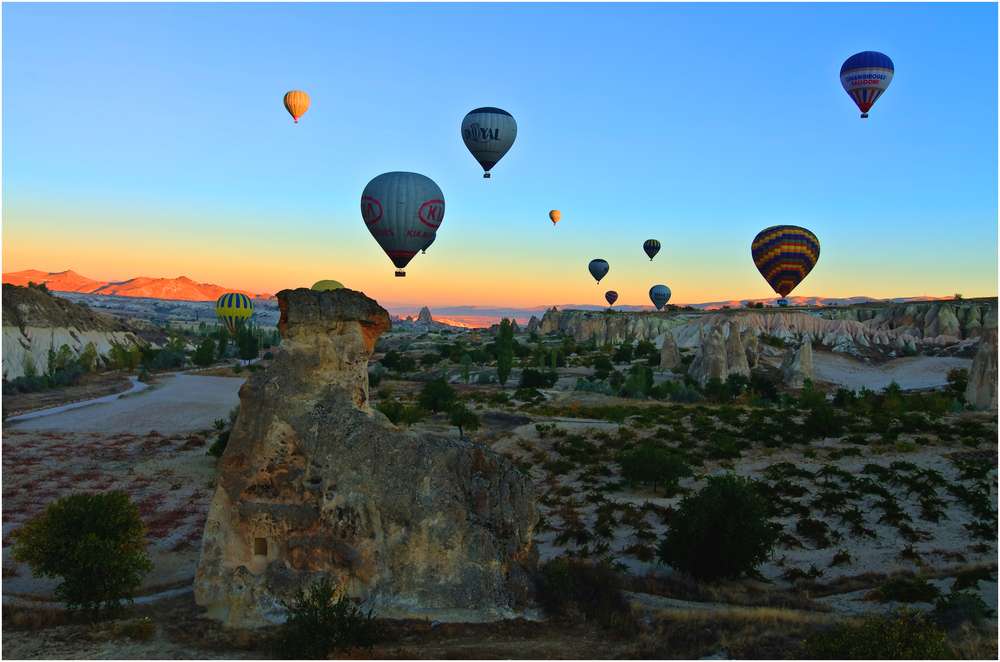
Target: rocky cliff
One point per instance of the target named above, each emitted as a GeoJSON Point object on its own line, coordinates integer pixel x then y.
{"type": "Point", "coordinates": [315, 482]}
{"type": "Point", "coordinates": [899, 326]}
{"type": "Point", "coordinates": [35, 322]}
{"type": "Point", "coordinates": [982, 388]}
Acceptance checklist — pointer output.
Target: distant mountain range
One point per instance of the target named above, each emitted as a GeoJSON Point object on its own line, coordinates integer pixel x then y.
{"type": "Point", "coordinates": [185, 289]}
{"type": "Point", "coordinates": [177, 289]}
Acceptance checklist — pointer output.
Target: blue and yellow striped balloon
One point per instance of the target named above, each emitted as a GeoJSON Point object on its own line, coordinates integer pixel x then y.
{"type": "Point", "coordinates": [652, 247]}
{"type": "Point", "coordinates": [784, 256]}
{"type": "Point", "coordinates": [233, 309]}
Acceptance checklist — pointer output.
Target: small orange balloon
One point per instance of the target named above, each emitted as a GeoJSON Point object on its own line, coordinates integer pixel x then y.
{"type": "Point", "coordinates": [296, 103]}
{"type": "Point", "coordinates": [555, 215]}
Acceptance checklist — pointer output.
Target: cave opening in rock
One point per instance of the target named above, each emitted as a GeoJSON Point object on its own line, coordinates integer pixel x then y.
{"type": "Point", "coordinates": [260, 546]}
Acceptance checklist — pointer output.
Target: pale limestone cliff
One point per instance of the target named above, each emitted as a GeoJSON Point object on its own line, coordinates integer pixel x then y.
{"type": "Point", "coordinates": [316, 483]}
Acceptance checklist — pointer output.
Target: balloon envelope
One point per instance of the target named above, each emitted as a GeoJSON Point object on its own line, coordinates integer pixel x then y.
{"type": "Point", "coordinates": [296, 103]}
{"type": "Point", "coordinates": [488, 133]}
{"type": "Point", "coordinates": [659, 295]}
{"type": "Point", "coordinates": [652, 247]}
{"type": "Point", "coordinates": [784, 255]}
{"type": "Point", "coordinates": [555, 215]}
{"type": "Point", "coordinates": [865, 76]}
{"type": "Point", "coordinates": [598, 269]}
{"type": "Point", "coordinates": [324, 285]}
{"type": "Point", "coordinates": [611, 296]}
{"type": "Point", "coordinates": [428, 244]}
{"type": "Point", "coordinates": [233, 308]}
{"type": "Point", "coordinates": [402, 210]}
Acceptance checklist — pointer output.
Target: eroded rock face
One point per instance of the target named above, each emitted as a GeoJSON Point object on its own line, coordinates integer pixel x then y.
{"type": "Point", "coordinates": [798, 365]}
{"type": "Point", "coordinates": [314, 482]}
{"type": "Point", "coordinates": [982, 388]}
{"type": "Point", "coordinates": [424, 317]}
{"type": "Point", "coordinates": [736, 355]}
{"type": "Point", "coordinates": [670, 356]}
{"type": "Point", "coordinates": [710, 361]}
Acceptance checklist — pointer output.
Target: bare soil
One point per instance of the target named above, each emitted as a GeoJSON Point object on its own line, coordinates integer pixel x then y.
{"type": "Point", "coordinates": [91, 386]}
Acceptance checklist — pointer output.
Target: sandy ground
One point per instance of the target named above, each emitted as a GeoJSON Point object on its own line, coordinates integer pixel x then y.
{"type": "Point", "coordinates": [177, 403]}
{"type": "Point", "coordinates": [912, 372]}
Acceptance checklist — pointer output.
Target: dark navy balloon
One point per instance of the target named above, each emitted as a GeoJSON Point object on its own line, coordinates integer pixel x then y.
{"type": "Point", "coordinates": [865, 76]}
{"type": "Point", "coordinates": [611, 296]}
{"type": "Point", "coordinates": [652, 247]}
{"type": "Point", "coordinates": [598, 269]}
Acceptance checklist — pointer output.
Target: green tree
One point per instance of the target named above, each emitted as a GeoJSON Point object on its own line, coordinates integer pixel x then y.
{"type": "Point", "coordinates": [322, 623]}
{"type": "Point", "coordinates": [466, 364]}
{"type": "Point", "coordinates": [64, 357]}
{"type": "Point", "coordinates": [247, 342]}
{"type": "Point", "coordinates": [88, 359]}
{"type": "Point", "coordinates": [30, 370]}
{"type": "Point", "coordinates": [505, 350]}
{"type": "Point", "coordinates": [653, 465]}
{"type": "Point", "coordinates": [461, 418]}
{"type": "Point", "coordinates": [204, 356]}
{"type": "Point", "coordinates": [94, 542]}
{"type": "Point", "coordinates": [624, 353]}
{"type": "Point", "coordinates": [722, 531]}
{"type": "Point", "coordinates": [437, 396]}
{"type": "Point", "coordinates": [602, 367]}
{"type": "Point", "coordinates": [958, 380]}
{"type": "Point", "coordinates": [223, 341]}
{"type": "Point", "coordinates": [119, 355]}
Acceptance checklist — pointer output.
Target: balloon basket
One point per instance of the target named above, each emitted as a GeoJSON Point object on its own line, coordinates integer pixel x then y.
{"type": "Point", "coordinates": [864, 116]}
{"type": "Point", "coordinates": [400, 273]}
{"type": "Point", "coordinates": [486, 175]}
{"type": "Point", "coordinates": [782, 303]}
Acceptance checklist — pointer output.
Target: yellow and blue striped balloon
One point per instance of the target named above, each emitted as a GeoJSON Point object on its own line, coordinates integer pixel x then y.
{"type": "Point", "coordinates": [233, 309]}
{"type": "Point", "coordinates": [784, 255]}
{"type": "Point", "coordinates": [652, 247]}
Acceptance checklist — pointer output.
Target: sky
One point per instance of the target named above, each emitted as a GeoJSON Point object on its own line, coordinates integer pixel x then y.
{"type": "Point", "coordinates": [151, 140]}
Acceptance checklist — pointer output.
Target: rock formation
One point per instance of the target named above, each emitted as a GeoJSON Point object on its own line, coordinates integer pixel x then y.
{"type": "Point", "coordinates": [670, 356]}
{"type": "Point", "coordinates": [982, 388]}
{"type": "Point", "coordinates": [710, 360]}
{"type": "Point", "coordinates": [751, 346]}
{"type": "Point", "coordinates": [736, 355]}
{"type": "Point", "coordinates": [797, 366]}
{"type": "Point", "coordinates": [534, 324]}
{"type": "Point", "coordinates": [35, 322]}
{"type": "Point", "coordinates": [316, 483]}
{"type": "Point", "coordinates": [603, 327]}
{"type": "Point", "coordinates": [425, 316]}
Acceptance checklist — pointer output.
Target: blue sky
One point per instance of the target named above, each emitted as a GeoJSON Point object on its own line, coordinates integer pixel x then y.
{"type": "Point", "coordinates": [150, 139]}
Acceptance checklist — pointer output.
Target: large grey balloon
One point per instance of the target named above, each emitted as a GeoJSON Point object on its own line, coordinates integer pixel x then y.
{"type": "Point", "coordinates": [402, 210]}
{"type": "Point", "coordinates": [659, 295]}
{"type": "Point", "coordinates": [598, 269]}
{"type": "Point", "coordinates": [488, 133]}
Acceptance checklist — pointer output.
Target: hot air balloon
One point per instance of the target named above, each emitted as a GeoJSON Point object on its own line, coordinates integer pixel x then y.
{"type": "Point", "coordinates": [865, 76]}
{"type": "Point", "coordinates": [428, 244]}
{"type": "Point", "coordinates": [488, 133]}
{"type": "Point", "coordinates": [233, 309]}
{"type": "Point", "coordinates": [659, 295]}
{"type": "Point", "coordinates": [611, 296]}
{"type": "Point", "coordinates": [784, 255]}
{"type": "Point", "coordinates": [296, 103]}
{"type": "Point", "coordinates": [323, 285]}
{"type": "Point", "coordinates": [402, 210]}
{"type": "Point", "coordinates": [555, 215]}
{"type": "Point", "coordinates": [652, 247]}
{"type": "Point", "coordinates": [598, 269]}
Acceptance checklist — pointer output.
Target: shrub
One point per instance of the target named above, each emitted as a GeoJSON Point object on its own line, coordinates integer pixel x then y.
{"type": "Point", "coordinates": [718, 391]}
{"type": "Point", "coordinates": [323, 622]}
{"type": "Point", "coordinates": [905, 590]}
{"type": "Point", "coordinates": [901, 635]}
{"type": "Point", "coordinates": [218, 446]}
{"type": "Point", "coordinates": [624, 353]}
{"type": "Point", "coordinates": [639, 382]}
{"type": "Point", "coordinates": [461, 418]}
{"type": "Point", "coordinates": [722, 531]}
{"type": "Point", "coordinates": [531, 378]}
{"type": "Point", "coordinates": [958, 380]}
{"type": "Point", "coordinates": [958, 607]}
{"type": "Point", "coordinates": [594, 589]}
{"type": "Point", "coordinates": [437, 396]}
{"type": "Point", "coordinates": [268, 356]}
{"type": "Point", "coordinates": [593, 387]}
{"type": "Point", "coordinates": [653, 464]}
{"type": "Point", "coordinates": [94, 542]}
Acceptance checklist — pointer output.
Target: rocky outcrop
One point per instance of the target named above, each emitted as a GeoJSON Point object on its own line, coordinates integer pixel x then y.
{"type": "Point", "coordinates": [534, 325]}
{"type": "Point", "coordinates": [982, 388]}
{"type": "Point", "coordinates": [797, 366]}
{"type": "Point", "coordinates": [736, 354]}
{"type": "Point", "coordinates": [751, 346]}
{"type": "Point", "coordinates": [35, 322]}
{"type": "Point", "coordinates": [425, 316]}
{"type": "Point", "coordinates": [603, 327]}
{"type": "Point", "coordinates": [710, 360]}
{"type": "Point", "coordinates": [670, 356]}
{"type": "Point", "coordinates": [314, 482]}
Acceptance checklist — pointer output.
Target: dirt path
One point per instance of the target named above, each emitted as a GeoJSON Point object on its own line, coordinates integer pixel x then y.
{"type": "Point", "coordinates": [913, 372]}
{"type": "Point", "coordinates": [177, 404]}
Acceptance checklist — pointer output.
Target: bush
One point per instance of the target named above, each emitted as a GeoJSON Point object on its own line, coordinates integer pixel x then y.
{"type": "Point", "coordinates": [594, 589]}
{"type": "Point", "coordinates": [593, 387]}
{"type": "Point", "coordinates": [653, 464]}
{"type": "Point", "coordinates": [218, 446]}
{"type": "Point", "coordinates": [722, 531]}
{"type": "Point", "coordinates": [268, 356]}
{"type": "Point", "coordinates": [958, 380]}
{"type": "Point", "coordinates": [437, 396]}
{"type": "Point", "coordinates": [905, 590]}
{"type": "Point", "coordinates": [461, 418]}
{"type": "Point", "coordinates": [956, 608]}
{"type": "Point", "coordinates": [639, 382]}
{"type": "Point", "coordinates": [94, 542]}
{"type": "Point", "coordinates": [323, 622]}
{"type": "Point", "coordinates": [901, 635]}
{"type": "Point", "coordinates": [531, 378]}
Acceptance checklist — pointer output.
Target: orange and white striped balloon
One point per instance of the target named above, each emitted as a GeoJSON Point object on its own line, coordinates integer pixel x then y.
{"type": "Point", "coordinates": [296, 103]}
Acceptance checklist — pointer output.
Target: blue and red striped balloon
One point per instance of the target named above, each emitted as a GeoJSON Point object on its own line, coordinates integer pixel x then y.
{"type": "Point", "coordinates": [865, 76]}
{"type": "Point", "coordinates": [784, 255]}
